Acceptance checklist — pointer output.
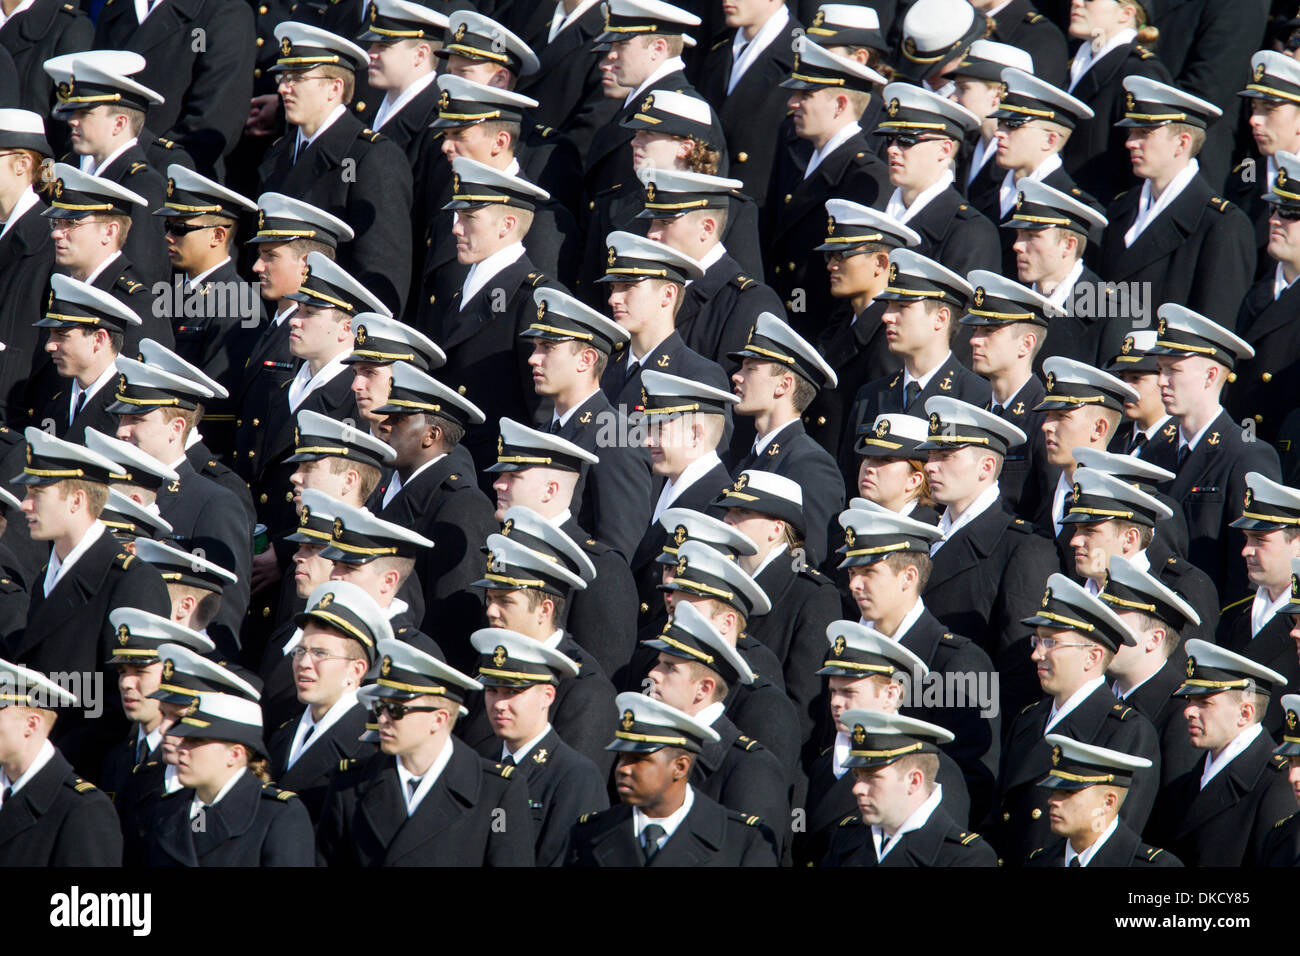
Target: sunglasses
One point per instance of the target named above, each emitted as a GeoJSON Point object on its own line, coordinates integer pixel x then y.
{"type": "Point", "coordinates": [1013, 122]}
{"type": "Point", "coordinates": [908, 140]}
{"type": "Point", "coordinates": [173, 228]}
{"type": "Point", "coordinates": [842, 254]}
{"type": "Point", "coordinates": [398, 711]}
{"type": "Point", "coordinates": [1288, 213]}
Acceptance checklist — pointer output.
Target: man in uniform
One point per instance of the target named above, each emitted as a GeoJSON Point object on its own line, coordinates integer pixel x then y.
{"type": "Point", "coordinates": [402, 39]}
{"type": "Point", "coordinates": [1018, 23]}
{"type": "Point", "coordinates": [1283, 845]}
{"type": "Point", "coordinates": [1077, 637]}
{"type": "Point", "coordinates": [1089, 785]}
{"type": "Point", "coordinates": [1222, 810]}
{"type": "Point", "coordinates": [425, 799]}
{"type": "Point", "coordinates": [661, 816]}
{"type": "Point", "coordinates": [49, 816]}
{"type": "Point", "coordinates": [519, 678]}
{"type": "Point", "coordinates": [1149, 434]}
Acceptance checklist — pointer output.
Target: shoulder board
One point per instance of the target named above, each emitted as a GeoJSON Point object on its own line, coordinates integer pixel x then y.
{"type": "Point", "coordinates": [1280, 762]}
{"type": "Point", "coordinates": [285, 724]}
{"type": "Point", "coordinates": [1036, 852]}
{"type": "Point", "coordinates": [212, 463]}
{"type": "Point", "coordinates": [131, 287]}
{"type": "Point", "coordinates": [591, 542]}
{"type": "Point", "coordinates": [83, 786]}
{"type": "Point", "coordinates": [825, 751]}
{"type": "Point", "coordinates": [1033, 17]}
{"type": "Point", "coordinates": [135, 168]}
{"type": "Point", "coordinates": [1282, 822]}
{"type": "Point", "coordinates": [589, 817]}
{"type": "Point", "coordinates": [503, 771]}
{"type": "Point", "coordinates": [1120, 712]}
{"type": "Point", "coordinates": [165, 143]}
{"type": "Point", "coordinates": [721, 42]}
{"type": "Point", "coordinates": [124, 560]}
{"type": "Point", "coordinates": [742, 281]}
{"type": "Point", "coordinates": [370, 134]}
{"type": "Point", "coordinates": [851, 819]}
{"type": "Point", "coordinates": [745, 743]}
{"type": "Point", "coordinates": [747, 819]}
{"type": "Point", "coordinates": [453, 477]}
{"type": "Point", "coordinates": [1153, 852]}
{"type": "Point", "coordinates": [544, 131]}
{"type": "Point", "coordinates": [1245, 600]}
{"type": "Point", "coordinates": [535, 278]}
{"type": "Point", "coordinates": [963, 207]}
{"type": "Point", "coordinates": [1219, 204]}
{"type": "Point", "coordinates": [1120, 195]}
{"type": "Point", "coordinates": [812, 573]}
{"type": "Point", "coordinates": [275, 793]}
{"type": "Point", "coordinates": [1021, 525]}
{"type": "Point", "coordinates": [69, 8]}
{"type": "Point", "coordinates": [967, 838]}
{"type": "Point", "coordinates": [1142, 52]}
{"type": "Point", "coordinates": [346, 762]}
{"type": "Point", "coordinates": [1028, 707]}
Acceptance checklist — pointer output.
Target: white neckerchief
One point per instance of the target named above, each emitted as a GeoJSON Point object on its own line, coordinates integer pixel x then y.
{"type": "Point", "coordinates": [984, 151]}
{"type": "Point", "coordinates": [840, 755]}
{"type": "Point", "coordinates": [708, 716]}
{"type": "Point", "coordinates": [145, 7]}
{"type": "Point", "coordinates": [1086, 856]}
{"type": "Point", "coordinates": [196, 805]}
{"type": "Point", "coordinates": [1264, 608]}
{"type": "Point", "coordinates": [1055, 716]}
{"type": "Point", "coordinates": [1239, 743]}
{"type": "Point", "coordinates": [390, 108]}
{"type": "Point", "coordinates": [769, 558]}
{"type": "Point", "coordinates": [924, 380]}
{"type": "Point", "coordinates": [17, 10]}
{"type": "Point", "coordinates": [760, 444]}
{"type": "Point", "coordinates": [96, 272]}
{"type": "Point", "coordinates": [1280, 284]}
{"type": "Point", "coordinates": [949, 526]}
{"type": "Point", "coordinates": [1085, 56]}
{"type": "Point", "coordinates": [1010, 188]}
{"type": "Point", "coordinates": [562, 420]}
{"type": "Point", "coordinates": [396, 608]}
{"type": "Point", "coordinates": [905, 625]}
{"type": "Point", "coordinates": [481, 273]}
{"type": "Point", "coordinates": [404, 777]}
{"type": "Point", "coordinates": [674, 487]}
{"type": "Point", "coordinates": [304, 382]}
{"type": "Point", "coordinates": [192, 284]}
{"type": "Point", "coordinates": [1063, 490]}
{"type": "Point", "coordinates": [56, 569]}
{"type": "Point", "coordinates": [108, 375]}
{"type": "Point", "coordinates": [557, 635]}
{"type": "Point", "coordinates": [90, 167]}
{"type": "Point", "coordinates": [902, 212]}
{"type": "Point", "coordinates": [1148, 209]}
{"type": "Point", "coordinates": [919, 817]}
{"type": "Point", "coordinates": [745, 52]}
{"type": "Point", "coordinates": [1062, 292]}
{"type": "Point", "coordinates": [560, 22]}
{"type": "Point", "coordinates": [318, 727]}
{"type": "Point", "coordinates": [674, 64]}
{"type": "Point", "coordinates": [1139, 560]}
{"type": "Point", "coordinates": [1195, 440]}
{"type": "Point", "coordinates": [519, 755]}
{"type": "Point", "coordinates": [832, 144]}
{"type": "Point", "coordinates": [395, 484]}
{"type": "Point", "coordinates": [43, 756]}
{"type": "Point", "coordinates": [670, 823]}
{"type": "Point", "coordinates": [26, 201]}
{"type": "Point", "coordinates": [710, 259]}
{"type": "Point", "coordinates": [303, 142]}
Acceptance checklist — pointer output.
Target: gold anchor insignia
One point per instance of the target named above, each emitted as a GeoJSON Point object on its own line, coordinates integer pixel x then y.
{"type": "Point", "coordinates": [796, 62]}
{"type": "Point", "coordinates": [849, 537]}
{"type": "Point", "coordinates": [1047, 596]}
{"type": "Point", "coordinates": [455, 183]}
{"type": "Point", "coordinates": [1076, 493]}
{"type": "Point", "coordinates": [460, 32]}
{"type": "Point", "coordinates": [650, 192]}
{"type": "Point", "coordinates": [774, 449]}
{"type": "Point", "coordinates": [499, 655]}
{"type": "Point", "coordinates": [541, 310]}
{"type": "Point", "coordinates": [663, 361]}
{"type": "Point", "coordinates": [174, 487]}
{"type": "Point", "coordinates": [585, 418]}
{"type": "Point", "coordinates": [171, 187]}
{"type": "Point", "coordinates": [979, 297]}
{"type": "Point", "coordinates": [1191, 666]}
{"type": "Point", "coordinates": [1213, 439]}
{"type": "Point", "coordinates": [386, 666]}
{"type": "Point", "coordinates": [1019, 408]}
{"type": "Point", "coordinates": [444, 101]}
{"type": "Point", "coordinates": [648, 103]}
{"type": "Point", "coordinates": [830, 226]}
{"type": "Point", "coordinates": [645, 398]}
{"type": "Point", "coordinates": [1250, 496]}
{"type": "Point", "coordinates": [629, 719]}
{"type": "Point", "coordinates": [1295, 585]}
{"type": "Point", "coordinates": [169, 669]}
{"type": "Point", "coordinates": [612, 257]}
{"type": "Point", "coordinates": [65, 90]}
{"type": "Point", "coordinates": [1130, 102]}
{"type": "Point", "coordinates": [1051, 381]}
{"type": "Point", "coordinates": [840, 645]}
{"type": "Point", "coordinates": [859, 734]}
{"type": "Point", "coordinates": [741, 482]}
{"type": "Point", "coordinates": [682, 564]}
{"type": "Point", "coordinates": [286, 46]}
{"type": "Point", "coordinates": [893, 271]}
{"type": "Point", "coordinates": [304, 517]}
{"type": "Point", "coordinates": [882, 428]}
{"type": "Point", "coordinates": [261, 219]}
{"type": "Point", "coordinates": [1056, 755]}
{"type": "Point", "coordinates": [374, 13]}
{"type": "Point", "coordinates": [361, 329]}
{"type": "Point", "coordinates": [946, 384]}
{"type": "Point", "coordinates": [1259, 71]}
{"type": "Point", "coordinates": [123, 634]}
{"type": "Point", "coordinates": [749, 338]}
{"type": "Point", "coordinates": [49, 302]}
{"type": "Point", "coordinates": [1281, 179]}
{"type": "Point", "coordinates": [29, 454]}
{"type": "Point", "coordinates": [679, 535]}
{"type": "Point", "coordinates": [540, 756]}
{"type": "Point", "coordinates": [1291, 720]}
{"type": "Point", "coordinates": [492, 562]}
{"type": "Point", "coordinates": [338, 527]}
{"type": "Point", "coordinates": [820, 18]}
{"type": "Point", "coordinates": [121, 383]}
{"type": "Point", "coordinates": [501, 445]}
{"type": "Point", "coordinates": [1160, 327]}
{"type": "Point", "coordinates": [893, 107]}
{"type": "Point", "coordinates": [1020, 201]}
{"type": "Point", "coordinates": [934, 423]}
{"type": "Point", "coordinates": [297, 438]}
{"type": "Point", "coordinates": [58, 194]}
{"type": "Point", "coordinates": [326, 600]}
{"type": "Point", "coordinates": [507, 527]}
{"type": "Point", "coordinates": [1127, 347]}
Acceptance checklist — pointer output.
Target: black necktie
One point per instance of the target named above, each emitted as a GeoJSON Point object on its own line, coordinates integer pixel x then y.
{"type": "Point", "coordinates": [508, 760]}
{"type": "Point", "coordinates": [1136, 443]}
{"type": "Point", "coordinates": [307, 736]}
{"type": "Point", "coordinates": [8, 795]}
{"type": "Point", "coordinates": [911, 391]}
{"type": "Point", "coordinates": [1183, 452]}
{"type": "Point", "coordinates": [554, 427]}
{"type": "Point", "coordinates": [651, 835]}
{"type": "Point", "coordinates": [996, 410]}
{"type": "Point", "coordinates": [631, 370]}
{"type": "Point", "coordinates": [79, 404]}
{"type": "Point", "coordinates": [1075, 862]}
{"type": "Point", "coordinates": [141, 750]}
{"type": "Point", "coordinates": [411, 786]}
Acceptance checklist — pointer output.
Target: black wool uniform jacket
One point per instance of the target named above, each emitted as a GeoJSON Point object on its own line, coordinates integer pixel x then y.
{"type": "Point", "coordinates": [855, 347]}
{"type": "Point", "coordinates": [328, 752]}
{"type": "Point", "coordinates": [121, 280]}
{"type": "Point", "coordinates": [989, 205]}
{"type": "Point", "coordinates": [940, 842]}
{"type": "Point", "coordinates": [602, 618]}
{"type": "Point", "coordinates": [145, 246]}
{"type": "Point", "coordinates": [268, 368]}
{"type": "Point", "coordinates": [710, 835]}
{"type": "Point", "coordinates": [443, 504]}
{"type": "Point", "coordinates": [762, 710]}
{"type": "Point", "coordinates": [987, 578]}
{"type": "Point", "coordinates": [1095, 154]}
{"type": "Point", "coordinates": [1273, 647]}
{"type": "Point", "coordinates": [955, 234]}
{"type": "Point", "coordinates": [583, 713]}
{"type": "Point", "coordinates": [365, 821]}
{"type": "Point", "coordinates": [1247, 187]}
{"type": "Point", "coordinates": [1227, 822]}
{"type": "Point", "coordinates": [672, 356]}
{"type": "Point", "coordinates": [375, 198]}
{"type": "Point", "coordinates": [136, 796]}
{"type": "Point", "coordinates": [1019, 822]}
{"type": "Point", "coordinates": [201, 460]}
{"type": "Point", "coordinates": [754, 108]}
{"type": "Point", "coordinates": [68, 631]}
{"type": "Point", "coordinates": [795, 455]}
{"type": "Point", "coordinates": [1020, 24]}
{"type": "Point", "coordinates": [59, 819]}
{"type": "Point", "coordinates": [1024, 462]}
{"type": "Point", "coordinates": [1161, 449]}
{"type": "Point", "coordinates": [209, 519]}
{"type": "Point", "coordinates": [46, 29]}
{"type": "Point", "coordinates": [1199, 251]}
{"type": "Point", "coordinates": [743, 775]}
{"type": "Point", "coordinates": [1210, 486]}
{"type": "Point", "coordinates": [1154, 700]}
{"type": "Point", "coordinates": [888, 394]}
{"type": "Point", "coordinates": [206, 86]}
{"type": "Point", "coordinates": [1282, 845]}
{"type": "Point", "coordinates": [94, 413]}
{"type": "Point", "coordinates": [253, 825]}
{"type": "Point", "coordinates": [562, 786]}
{"type": "Point", "coordinates": [26, 261]}
{"type": "Point", "coordinates": [1091, 331]}
{"type": "Point", "coordinates": [1267, 386]}
{"type": "Point", "coordinates": [794, 223]}
{"type": "Point", "coordinates": [1123, 848]}
{"type": "Point", "coordinates": [719, 310]}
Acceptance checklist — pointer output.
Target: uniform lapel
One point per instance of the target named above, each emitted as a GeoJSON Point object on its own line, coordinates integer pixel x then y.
{"type": "Point", "coordinates": [451, 795]}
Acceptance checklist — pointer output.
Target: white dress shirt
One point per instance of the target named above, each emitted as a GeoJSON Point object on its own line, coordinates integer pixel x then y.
{"type": "Point", "coordinates": [481, 273]}
{"type": "Point", "coordinates": [1149, 208]}
{"type": "Point", "coordinates": [304, 382]}
{"type": "Point", "coordinates": [670, 823]}
{"type": "Point", "coordinates": [1071, 702]}
{"type": "Point", "coordinates": [1086, 856]}
{"type": "Point", "coordinates": [1010, 188]}
{"type": "Point", "coordinates": [317, 728]}
{"type": "Point", "coordinates": [692, 473]}
{"type": "Point", "coordinates": [145, 7]}
{"type": "Point", "coordinates": [561, 20]}
{"type": "Point", "coordinates": [760, 444]}
{"type": "Point", "coordinates": [302, 142]}
{"type": "Point", "coordinates": [390, 108]}
{"type": "Point", "coordinates": [57, 568]}
{"type": "Point", "coordinates": [984, 151]}
{"type": "Point", "coordinates": [1061, 294]}
{"type": "Point", "coordinates": [519, 755]}
{"type": "Point", "coordinates": [96, 272]}
{"type": "Point", "coordinates": [948, 525]}
{"type": "Point", "coordinates": [1064, 489]}
{"type": "Point", "coordinates": [89, 166]}
{"type": "Point", "coordinates": [396, 483]}
{"type": "Point", "coordinates": [1087, 56]}
{"type": "Point", "coordinates": [1264, 608]}
{"type": "Point", "coordinates": [427, 781]}
{"type": "Point", "coordinates": [744, 52]}
{"type": "Point", "coordinates": [5, 18]}
{"type": "Point", "coordinates": [1280, 284]}
{"type": "Point", "coordinates": [902, 212]}
{"type": "Point", "coordinates": [831, 145]}
{"type": "Point", "coordinates": [674, 64]}
{"type": "Point", "coordinates": [920, 816]}
{"type": "Point", "coordinates": [1239, 743]}
{"type": "Point", "coordinates": [196, 805]}
{"type": "Point", "coordinates": [108, 375]}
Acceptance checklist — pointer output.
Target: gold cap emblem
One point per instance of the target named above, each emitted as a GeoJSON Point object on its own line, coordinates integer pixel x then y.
{"type": "Point", "coordinates": [541, 310]}
{"type": "Point", "coordinates": [286, 46]}
{"type": "Point", "coordinates": [65, 90]}
{"type": "Point", "coordinates": [1020, 201]}
{"type": "Point", "coordinates": [444, 101]}
{"type": "Point", "coordinates": [934, 423]}
{"type": "Point", "coordinates": [1282, 177]}
{"type": "Point", "coordinates": [386, 666]}
{"type": "Point", "coordinates": [859, 734]}
{"type": "Point", "coordinates": [1161, 326]}
{"type": "Point", "coordinates": [830, 225]}
{"type": "Point", "coordinates": [374, 13]}
{"type": "Point", "coordinates": [650, 192]}
{"type": "Point", "coordinates": [169, 669]}
{"type": "Point", "coordinates": [123, 634]}
{"type": "Point", "coordinates": [840, 644]}
{"type": "Point", "coordinates": [508, 527]}
{"type": "Point", "coordinates": [1051, 381]}
{"type": "Point", "coordinates": [1250, 495]}
{"type": "Point", "coordinates": [501, 445]}
{"type": "Point", "coordinates": [629, 719]}
{"type": "Point", "coordinates": [612, 257]}
{"type": "Point", "coordinates": [682, 564]}
{"type": "Point", "coordinates": [882, 428]}
{"type": "Point", "coordinates": [1291, 720]}
{"type": "Point", "coordinates": [499, 655]}
{"type": "Point", "coordinates": [1259, 71]}
{"type": "Point", "coordinates": [820, 18]}
{"type": "Point", "coordinates": [1191, 667]}
{"type": "Point", "coordinates": [849, 537]}
{"type": "Point", "coordinates": [304, 517]}
{"type": "Point", "coordinates": [1047, 596]}
{"type": "Point", "coordinates": [361, 329]}
{"type": "Point", "coordinates": [1127, 347]}
{"type": "Point", "coordinates": [171, 187]}
{"type": "Point", "coordinates": [648, 103]}
{"type": "Point", "coordinates": [679, 535]}
{"type": "Point", "coordinates": [979, 297]}
{"type": "Point", "coordinates": [455, 184]}
{"type": "Point", "coordinates": [741, 482]}
{"type": "Point", "coordinates": [261, 219]}
{"type": "Point", "coordinates": [326, 600]}
{"type": "Point", "coordinates": [460, 32]}
{"type": "Point", "coordinates": [1076, 493]}
{"type": "Point", "coordinates": [893, 107]}
{"type": "Point", "coordinates": [1130, 102]}
{"type": "Point", "coordinates": [1056, 755]}
{"type": "Point", "coordinates": [893, 271]}
{"type": "Point", "coordinates": [338, 528]}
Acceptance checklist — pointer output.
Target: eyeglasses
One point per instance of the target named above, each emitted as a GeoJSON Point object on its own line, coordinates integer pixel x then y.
{"type": "Point", "coordinates": [908, 140]}
{"type": "Point", "coordinates": [318, 655]}
{"type": "Point", "coordinates": [292, 79]}
{"type": "Point", "coordinates": [1049, 644]}
{"type": "Point", "coordinates": [174, 228]}
{"type": "Point", "coordinates": [67, 225]}
{"type": "Point", "coordinates": [398, 711]}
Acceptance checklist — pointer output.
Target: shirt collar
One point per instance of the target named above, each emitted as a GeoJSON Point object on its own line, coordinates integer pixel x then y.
{"type": "Point", "coordinates": [1280, 284]}
{"type": "Point", "coordinates": [674, 64]}
{"type": "Point", "coordinates": [690, 475]}
{"type": "Point", "coordinates": [832, 144]}
{"type": "Point", "coordinates": [760, 444]}
{"type": "Point", "coordinates": [1063, 290]}
{"type": "Point", "coordinates": [229, 785]}
{"type": "Point", "coordinates": [564, 419]}
{"type": "Point", "coordinates": [1263, 609]}
{"type": "Point", "coordinates": [387, 110]}
{"type": "Point", "coordinates": [305, 141]}
{"type": "Point", "coordinates": [429, 778]}
{"type": "Point", "coordinates": [1086, 56]}
{"type": "Point", "coordinates": [905, 625]}
{"type": "Point", "coordinates": [924, 380]}
{"type": "Point", "coordinates": [106, 376]}
{"type": "Point", "coordinates": [1086, 856]}
{"type": "Point", "coordinates": [771, 556]}
{"type": "Point", "coordinates": [710, 259]}
{"type": "Point", "coordinates": [1071, 702]}
{"type": "Point", "coordinates": [111, 157]}
{"type": "Point", "coordinates": [903, 213]}
{"type": "Point", "coordinates": [481, 273]}
{"type": "Point", "coordinates": [950, 526]}
{"type": "Point", "coordinates": [919, 817]}
{"type": "Point", "coordinates": [670, 823]}
{"type": "Point", "coordinates": [749, 50]}
{"type": "Point", "coordinates": [553, 642]}
{"type": "Point", "coordinates": [194, 283]}
{"type": "Point", "coordinates": [1234, 749]}
{"type": "Point", "coordinates": [57, 569]}
{"type": "Point", "coordinates": [26, 201]}
{"type": "Point", "coordinates": [17, 10]}
{"type": "Point", "coordinates": [43, 756]}
{"type": "Point", "coordinates": [519, 755]}
{"type": "Point", "coordinates": [1196, 439]}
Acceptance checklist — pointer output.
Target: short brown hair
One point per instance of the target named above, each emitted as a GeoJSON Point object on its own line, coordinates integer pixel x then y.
{"type": "Point", "coordinates": [367, 475]}
{"type": "Point", "coordinates": [96, 493]}
{"type": "Point", "coordinates": [928, 764]}
{"type": "Point", "coordinates": [535, 597]}
{"type": "Point", "coordinates": [702, 672]}
{"type": "Point", "coordinates": [302, 246]}
{"type": "Point", "coordinates": [804, 393]}
{"type": "Point", "coordinates": [344, 74]}
{"type": "Point", "coordinates": [899, 560]}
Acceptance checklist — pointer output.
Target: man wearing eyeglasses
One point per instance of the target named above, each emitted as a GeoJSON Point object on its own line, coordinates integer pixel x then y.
{"type": "Point", "coordinates": [340, 630]}
{"type": "Point", "coordinates": [425, 799]}
{"type": "Point", "coordinates": [1076, 637]}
